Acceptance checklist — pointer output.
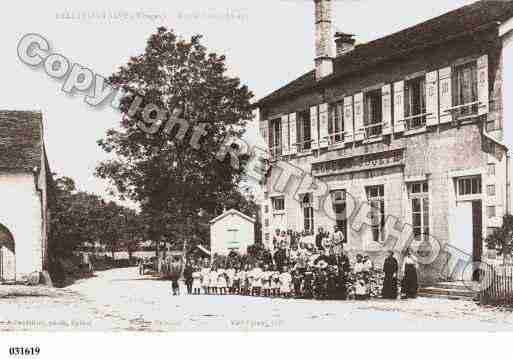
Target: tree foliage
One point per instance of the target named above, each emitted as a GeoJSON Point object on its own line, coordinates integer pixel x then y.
{"type": "Point", "coordinates": [169, 178]}
{"type": "Point", "coordinates": [79, 219]}
{"type": "Point", "coordinates": [502, 238]}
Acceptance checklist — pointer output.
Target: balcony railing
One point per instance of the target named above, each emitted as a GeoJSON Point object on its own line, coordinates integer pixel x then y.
{"type": "Point", "coordinates": [303, 146]}
{"type": "Point", "coordinates": [335, 138]}
{"type": "Point", "coordinates": [415, 121]}
{"type": "Point", "coordinates": [467, 109]}
{"type": "Point", "coordinates": [373, 130]}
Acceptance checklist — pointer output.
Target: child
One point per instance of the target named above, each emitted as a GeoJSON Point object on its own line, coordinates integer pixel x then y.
{"type": "Point", "coordinates": [307, 288]}
{"type": "Point", "coordinates": [221, 282]}
{"type": "Point", "coordinates": [236, 281]}
{"type": "Point", "coordinates": [249, 280]}
{"type": "Point", "coordinates": [196, 281]}
{"type": "Point", "coordinates": [296, 282]}
{"type": "Point", "coordinates": [265, 280]}
{"type": "Point", "coordinates": [205, 279]}
{"type": "Point", "coordinates": [257, 280]}
{"type": "Point", "coordinates": [360, 289]}
{"type": "Point", "coordinates": [213, 281]}
{"type": "Point", "coordinates": [275, 282]}
{"type": "Point", "coordinates": [244, 280]}
{"type": "Point", "coordinates": [230, 274]}
{"type": "Point", "coordinates": [285, 280]}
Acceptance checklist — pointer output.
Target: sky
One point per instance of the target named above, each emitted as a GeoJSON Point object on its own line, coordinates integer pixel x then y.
{"type": "Point", "coordinates": [267, 44]}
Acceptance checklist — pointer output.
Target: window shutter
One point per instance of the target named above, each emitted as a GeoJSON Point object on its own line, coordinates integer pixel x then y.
{"type": "Point", "coordinates": [285, 134]}
{"type": "Point", "coordinates": [323, 125]}
{"type": "Point", "coordinates": [314, 127]}
{"type": "Point", "coordinates": [264, 131]}
{"type": "Point", "coordinates": [483, 92]}
{"type": "Point", "coordinates": [386, 104]}
{"type": "Point", "coordinates": [399, 107]}
{"type": "Point", "coordinates": [293, 133]}
{"type": "Point", "coordinates": [444, 77]}
{"type": "Point", "coordinates": [432, 98]}
{"type": "Point", "coordinates": [358, 117]}
{"type": "Point", "coordinates": [348, 119]}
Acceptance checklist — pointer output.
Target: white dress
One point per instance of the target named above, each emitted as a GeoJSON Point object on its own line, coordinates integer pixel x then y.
{"type": "Point", "coordinates": [205, 277]}
{"type": "Point", "coordinates": [221, 280]}
{"type": "Point", "coordinates": [264, 279]}
{"type": "Point", "coordinates": [196, 280]}
{"type": "Point", "coordinates": [285, 282]}
{"type": "Point", "coordinates": [257, 277]}
{"type": "Point", "coordinates": [213, 279]}
{"type": "Point", "coordinates": [231, 276]}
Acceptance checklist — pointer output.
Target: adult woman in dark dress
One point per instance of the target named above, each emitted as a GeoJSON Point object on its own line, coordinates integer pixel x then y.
{"type": "Point", "coordinates": [410, 283]}
{"type": "Point", "coordinates": [344, 268]}
{"type": "Point", "coordinates": [390, 267]}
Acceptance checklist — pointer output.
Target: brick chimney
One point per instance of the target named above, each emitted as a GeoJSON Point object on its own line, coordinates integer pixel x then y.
{"type": "Point", "coordinates": [323, 39]}
{"type": "Point", "coordinates": [344, 43]}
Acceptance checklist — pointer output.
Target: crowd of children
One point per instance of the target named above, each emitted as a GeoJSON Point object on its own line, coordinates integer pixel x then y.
{"type": "Point", "coordinates": [294, 268]}
{"type": "Point", "coordinates": [249, 280]}
{"type": "Point", "coordinates": [320, 276]}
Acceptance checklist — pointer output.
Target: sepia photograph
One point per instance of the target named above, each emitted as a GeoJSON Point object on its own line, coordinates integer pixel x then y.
{"type": "Point", "coordinates": [244, 167]}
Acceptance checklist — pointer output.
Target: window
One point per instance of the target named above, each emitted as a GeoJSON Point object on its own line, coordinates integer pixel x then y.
{"type": "Point", "coordinates": [375, 196]}
{"type": "Point", "coordinates": [491, 169]}
{"type": "Point", "coordinates": [419, 199]}
{"type": "Point", "coordinates": [266, 209]}
{"type": "Point", "coordinates": [415, 103]}
{"type": "Point", "coordinates": [266, 222]}
{"type": "Point", "coordinates": [464, 89]}
{"type": "Point", "coordinates": [275, 137]}
{"type": "Point", "coordinates": [373, 114]}
{"type": "Point", "coordinates": [304, 132]}
{"type": "Point", "coordinates": [338, 199]}
{"type": "Point", "coordinates": [308, 213]}
{"type": "Point", "coordinates": [490, 210]}
{"type": "Point", "coordinates": [490, 190]}
{"type": "Point", "coordinates": [278, 203]}
{"type": "Point", "coordinates": [469, 185]}
{"type": "Point", "coordinates": [336, 123]}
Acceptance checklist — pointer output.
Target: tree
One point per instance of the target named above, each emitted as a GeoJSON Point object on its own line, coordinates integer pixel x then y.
{"type": "Point", "coordinates": [502, 238]}
{"type": "Point", "coordinates": [171, 179]}
{"type": "Point", "coordinates": [132, 232]}
{"type": "Point", "coordinates": [80, 218]}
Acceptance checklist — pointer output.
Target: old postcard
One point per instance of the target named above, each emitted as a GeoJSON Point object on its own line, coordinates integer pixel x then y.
{"type": "Point", "coordinates": [235, 166]}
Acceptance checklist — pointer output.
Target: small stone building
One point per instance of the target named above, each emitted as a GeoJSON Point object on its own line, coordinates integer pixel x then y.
{"type": "Point", "coordinates": [24, 181]}
{"type": "Point", "coordinates": [232, 230]}
{"type": "Point", "coordinates": [414, 124]}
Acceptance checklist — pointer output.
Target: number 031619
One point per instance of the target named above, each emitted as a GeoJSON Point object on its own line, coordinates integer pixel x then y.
{"type": "Point", "coordinates": [24, 351]}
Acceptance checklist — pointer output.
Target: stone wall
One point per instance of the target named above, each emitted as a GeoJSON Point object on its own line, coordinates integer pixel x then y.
{"type": "Point", "coordinates": [21, 214]}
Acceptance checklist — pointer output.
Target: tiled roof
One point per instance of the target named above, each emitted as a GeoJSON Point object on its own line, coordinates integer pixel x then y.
{"type": "Point", "coordinates": [232, 212]}
{"type": "Point", "coordinates": [20, 140]}
{"type": "Point", "coordinates": [477, 16]}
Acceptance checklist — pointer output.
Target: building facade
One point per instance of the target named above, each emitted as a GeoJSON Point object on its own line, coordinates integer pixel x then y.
{"type": "Point", "coordinates": [412, 124]}
{"type": "Point", "coordinates": [231, 230]}
{"type": "Point", "coordinates": [25, 179]}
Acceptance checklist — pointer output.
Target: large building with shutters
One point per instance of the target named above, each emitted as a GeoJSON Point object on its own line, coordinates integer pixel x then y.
{"type": "Point", "coordinates": [414, 124]}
